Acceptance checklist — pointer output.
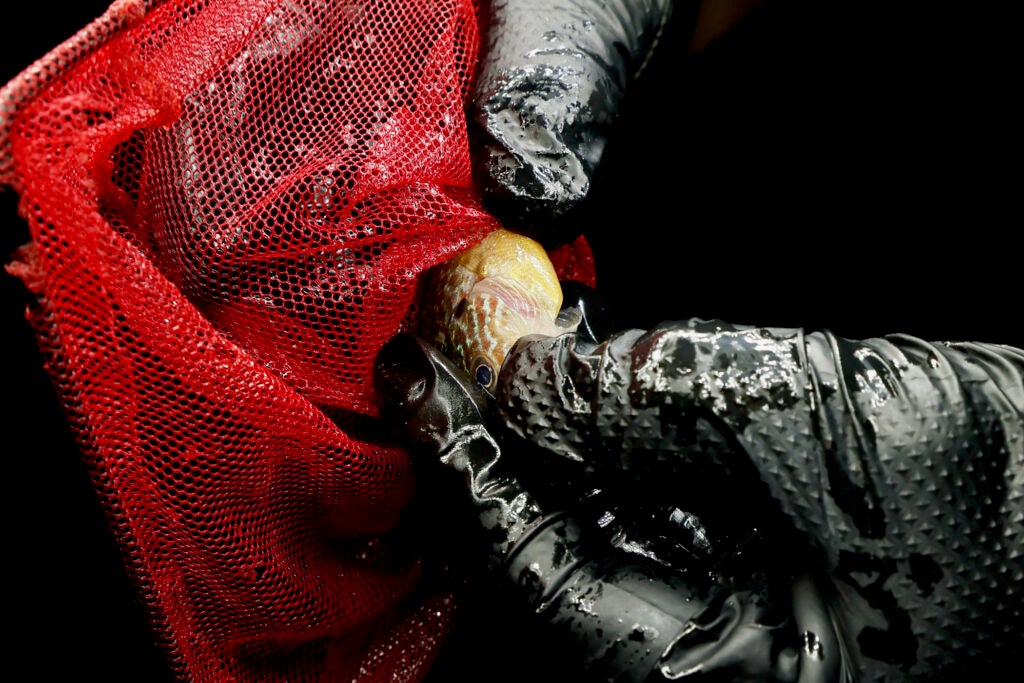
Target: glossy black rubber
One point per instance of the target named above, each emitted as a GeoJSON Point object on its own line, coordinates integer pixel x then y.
{"type": "Point", "coordinates": [551, 81]}
{"type": "Point", "coordinates": [620, 614]}
{"type": "Point", "coordinates": [899, 464]}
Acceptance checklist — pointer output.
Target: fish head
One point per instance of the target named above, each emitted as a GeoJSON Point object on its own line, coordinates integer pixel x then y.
{"type": "Point", "coordinates": [483, 300]}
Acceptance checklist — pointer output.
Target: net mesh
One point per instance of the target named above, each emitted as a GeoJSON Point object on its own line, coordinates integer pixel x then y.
{"type": "Point", "coordinates": [230, 205]}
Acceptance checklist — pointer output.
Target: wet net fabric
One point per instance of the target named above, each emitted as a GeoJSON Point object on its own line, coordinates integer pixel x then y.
{"type": "Point", "coordinates": [230, 205]}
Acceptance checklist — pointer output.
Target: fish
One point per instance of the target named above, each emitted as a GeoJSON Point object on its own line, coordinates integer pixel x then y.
{"type": "Point", "coordinates": [479, 303]}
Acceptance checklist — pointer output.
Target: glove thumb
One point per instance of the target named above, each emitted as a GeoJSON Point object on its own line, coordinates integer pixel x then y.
{"type": "Point", "coordinates": [432, 407]}
{"type": "Point", "coordinates": [548, 92]}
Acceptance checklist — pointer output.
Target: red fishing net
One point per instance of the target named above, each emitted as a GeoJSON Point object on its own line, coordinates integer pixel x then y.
{"type": "Point", "coordinates": [230, 204]}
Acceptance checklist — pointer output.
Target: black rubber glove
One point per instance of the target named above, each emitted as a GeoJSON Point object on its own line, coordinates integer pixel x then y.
{"type": "Point", "coordinates": [551, 81]}
{"type": "Point", "coordinates": [622, 615]}
{"type": "Point", "coordinates": [899, 462]}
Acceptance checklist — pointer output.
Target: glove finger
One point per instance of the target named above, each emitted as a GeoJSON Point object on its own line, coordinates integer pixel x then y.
{"type": "Point", "coordinates": [549, 89]}
{"type": "Point", "coordinates": [597, 319]}
{"type": "Point", "coordinates": [433, 408]}
{"type": "Point", "coordinates": [422, 396]}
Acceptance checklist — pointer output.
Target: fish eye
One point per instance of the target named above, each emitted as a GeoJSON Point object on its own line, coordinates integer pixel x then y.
{"type": "Point", "coordinates": [483, 373]}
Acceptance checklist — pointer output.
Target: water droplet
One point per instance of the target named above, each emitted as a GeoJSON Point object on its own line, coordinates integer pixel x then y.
{"type": "Point", "coordinates": [812, 645]}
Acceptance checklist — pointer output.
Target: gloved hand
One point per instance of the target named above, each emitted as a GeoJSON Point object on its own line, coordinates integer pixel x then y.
{"type": "Point", "coordinates": [551, 81]}
{"type": "Point", "coordinates": [629, 599]}
{"type": "Point", "coordinates": [900, 464]}
{"type": "Point", "coordinates": [550, 90]}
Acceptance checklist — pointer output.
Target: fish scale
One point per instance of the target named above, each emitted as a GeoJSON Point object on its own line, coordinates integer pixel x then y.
{"type": "Point", "coordinates": [479, 303]}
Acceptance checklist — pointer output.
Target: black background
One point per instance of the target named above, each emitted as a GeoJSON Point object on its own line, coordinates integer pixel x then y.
{"type": "Point", "coordinates": [855, 168]}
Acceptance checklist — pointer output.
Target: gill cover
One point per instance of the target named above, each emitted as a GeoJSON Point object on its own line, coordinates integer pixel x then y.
{"type": "Point", "coordinates": [477, 304]}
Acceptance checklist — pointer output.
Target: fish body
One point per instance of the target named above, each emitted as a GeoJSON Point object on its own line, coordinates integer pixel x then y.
{"type": "Point", "coordinates": [480, 302]}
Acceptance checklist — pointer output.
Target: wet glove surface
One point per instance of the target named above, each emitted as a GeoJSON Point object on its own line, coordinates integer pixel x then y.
{"type": "Point", "coordinates": [550, 87]}
{"type": "Point", "coordinates": [622, 592]}
{"type": "Point", "coordinates": [900, 462]}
